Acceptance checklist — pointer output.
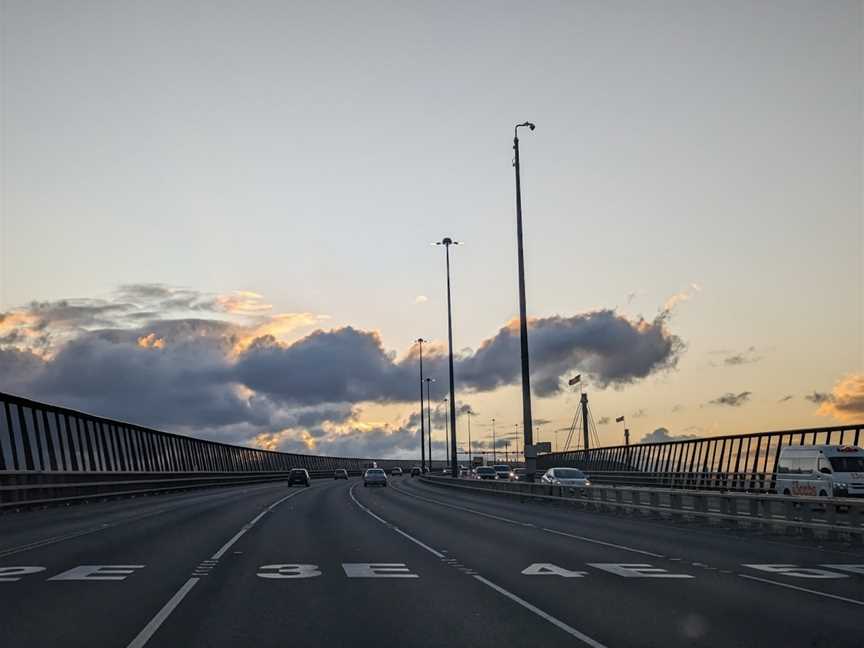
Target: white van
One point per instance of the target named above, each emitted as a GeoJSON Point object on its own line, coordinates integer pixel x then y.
{"type": "Point", "coordinates": [820, 471]}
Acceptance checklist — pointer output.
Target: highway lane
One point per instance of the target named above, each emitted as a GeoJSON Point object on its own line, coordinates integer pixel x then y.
{"type": "Point", "coordinates": [429, 566]}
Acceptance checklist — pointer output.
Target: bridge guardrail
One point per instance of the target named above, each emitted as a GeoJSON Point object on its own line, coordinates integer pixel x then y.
{"type": "Point", "coordinates": [828, 515]}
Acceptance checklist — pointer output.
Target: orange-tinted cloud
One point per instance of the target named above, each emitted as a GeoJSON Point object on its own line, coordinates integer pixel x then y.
{"type": "Point", "coordinates": [846, 402]}
{"type": "Point", "coordinates": [151, 342]}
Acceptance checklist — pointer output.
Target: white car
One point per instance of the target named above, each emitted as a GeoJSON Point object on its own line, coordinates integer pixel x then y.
{"type": "Point", "coordinates": [820, 471]}
{"type": "Point", "coordinates": [396, 472]}
{"type": "Point", "coordinates": [565, 477]}
{"type": "Point", "coordinates": [375, 477]}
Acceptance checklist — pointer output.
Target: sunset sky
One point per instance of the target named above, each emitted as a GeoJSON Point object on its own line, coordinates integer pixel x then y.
{"type": "Point", "coordinates": [217, 216]}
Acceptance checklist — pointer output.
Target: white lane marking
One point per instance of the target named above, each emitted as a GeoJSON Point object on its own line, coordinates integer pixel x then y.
{"type": "Point", "coordinates": [604, 543]}
{"type": "Point", "coordinates": [396, 529]}
{"type": "Point", "coordinates": [289, 571]}
{"type": "Point", "coordinates": [543, 615]}
{"type": "Point", "coordinates": [802, 589]}
{"type": "Point", "coordinates": [549, 569]}
{"type": "Point", "coordinates": [526, 524]}
{"type": "Point", "coordinates": [150, 629]}
{"type": "Point", "coordinates": [469, 510]}
{"type": "Point", "coordinates": [853, 569]}
{"type": "Point", "coordinates": [250, 524]}
{"type": "Point", "coordinates": [377, 570]}
{"type": "Point", "coordinates": [796, 571]}
{"type": "Point", "coordinates": [12, 574]}
{"type": "Point", "coordinates": [109, 525]}
{"type": "Point", "coordinates": [97, 572]}
{"type": "Point", "coordinates": [636, 570]}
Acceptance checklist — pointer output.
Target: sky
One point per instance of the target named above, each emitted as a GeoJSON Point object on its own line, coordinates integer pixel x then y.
{"type": "Point", "coordinates": [217, 216]}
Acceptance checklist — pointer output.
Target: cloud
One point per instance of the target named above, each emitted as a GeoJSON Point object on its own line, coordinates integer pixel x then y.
{"type": "Point", "coordinates": [678, 408]}
{"type": "Point", "coordinates": [661, 435]}
{"type": "Point", "coordinates": [846, 401]}
{"type": "Point", "coordinates": [680, 297]}
{"type": "Point", "coordinates": [421, 299]}
{"type": "Point", "coordinates": [603, 420]}
{"type": "Point", "coordinates": [639, 413]}
{"type": "Point", "coordinates": [742, 358]}
{"type": "Point", "coordinates": [227, 367]}
{"type": "Point", "coordinates": [786, 398]}
{"type": "Point", "coordinates": [817, 398]}
{"type": "Point", "coordinates": [732, 400]}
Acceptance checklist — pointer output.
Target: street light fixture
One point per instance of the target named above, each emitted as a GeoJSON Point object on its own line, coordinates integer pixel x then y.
{"type": "Point", "coordinates": [527, 427]}
{"type": "Point", "coordinates": [447, 242]}
{"type": "Point", "coordinates": [420, 341]}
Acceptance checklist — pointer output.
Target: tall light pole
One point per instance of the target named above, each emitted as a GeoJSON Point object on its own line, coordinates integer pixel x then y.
{"type": "Point", "coordinates": [447, 242]}
{"type": "Point", "coordinates": [527, 427]}
{"type": "Point", "coordinates": [446, 432]}
{"type": "Point", "coordinates": [420, 341]}
{"type": "Point", "coordinates": [429, 381]}
{"type": "Point", "coordinates": [494, 449]}
{"type": "Point", "coordinates": [470, 454]}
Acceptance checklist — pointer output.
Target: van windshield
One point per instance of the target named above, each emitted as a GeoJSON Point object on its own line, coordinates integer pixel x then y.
{"type": "Point", "coordinates": [847, 464]}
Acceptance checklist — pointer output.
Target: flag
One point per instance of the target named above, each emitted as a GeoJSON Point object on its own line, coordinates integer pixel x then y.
{"type": "Point", "coordinates": [575, 380]}
{"type": "Point", "coordinates": [620, 419]}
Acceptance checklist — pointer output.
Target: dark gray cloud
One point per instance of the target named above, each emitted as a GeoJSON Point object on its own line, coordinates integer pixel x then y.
{"type": "Point", "coordinates": [603, 420]}
{"type": "Point", "coordinates": [128, 357]}
{"type": "Point", "coordinates": [732, 400]}
{"type": "Point", "coordinates": [786, 398]}
{"type": "Point", "coordinates": [661, 435]}
{"type": "Point", "coordinates": [817, 398]}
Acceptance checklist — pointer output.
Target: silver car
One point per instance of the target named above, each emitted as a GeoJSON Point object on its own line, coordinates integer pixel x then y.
{"type": "Point", "coordinates": [565, 477]}
{"type": "Point", "coordinates": [375, 477]}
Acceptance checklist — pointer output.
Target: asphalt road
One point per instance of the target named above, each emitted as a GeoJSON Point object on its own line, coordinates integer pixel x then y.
{"type": "Point", "coordinates": [337, 564]}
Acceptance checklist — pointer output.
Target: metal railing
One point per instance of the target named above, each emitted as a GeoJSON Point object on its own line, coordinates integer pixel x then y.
{"type": "Point", "coordinates": [829, 516]}
{"type": "Point", "coordinates": [741, 462]}
{"type": "Point", "coordinates": [50, 453]}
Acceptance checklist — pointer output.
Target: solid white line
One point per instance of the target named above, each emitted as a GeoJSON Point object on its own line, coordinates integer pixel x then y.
{"type": "Point", "coordinates": [605, 544]}
{"type": "Point", "coordinates": [562, 533]}
{"type": "Point", "coordinates": [802, 589]}
{"type": "Point", "coordinates": [396, 529]}
{"type": "Point", "coordinates": [150, 629]}
{"type": "Point", "coordinates": [543, 615]}
{"type": "Point", "coordinates": [548, 617]}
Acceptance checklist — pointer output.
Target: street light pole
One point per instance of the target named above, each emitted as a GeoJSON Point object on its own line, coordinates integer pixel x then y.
{"type": "Point", "coordinates": [447, 242]}
{"type": "Point", "coordinates": [528, 428]}
{"type": "Point", "coordinates": [429, 381]}
{"type": "Point", "coordinates": [494, 449]}
{"type": "Point", "coordinates": [420, 341]}
{"type": "Point", "coordinates": [446, 432]}
{"type": "Point", "coordinates": [470, 455]}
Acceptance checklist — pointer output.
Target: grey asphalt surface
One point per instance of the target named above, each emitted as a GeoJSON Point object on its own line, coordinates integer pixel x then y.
{"type": "Point", "coordinates": [338, 564]}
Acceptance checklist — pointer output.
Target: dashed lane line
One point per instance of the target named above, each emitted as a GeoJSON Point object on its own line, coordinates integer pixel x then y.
{"type": "Point", "coordinates": [527, 524]}
{"type": "Point", "coordinates": [802, 589]}
{"type": "Point", "coordinates": [573, 632]}
{"type": "Point", "coordinates": [150, 629]}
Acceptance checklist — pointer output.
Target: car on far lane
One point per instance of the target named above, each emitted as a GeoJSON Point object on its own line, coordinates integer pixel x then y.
{"type": "Point", "coordinates": [375, 477]}
{"type": "Point", "coordinates": [502, 471]}
{"type": "Point", "coordinates": [298, 476]}
{"type": "Point", "coordinates": [340, 473]}
{"type": "Point", "coordinates": [565, 477]}
{"type": "Point", "coordinates": [486, 472]}
{"type": "Point", "coordinates": [519, 474]}
{"type": "Point", "coordinates": [415, 471]}
{"type": "Point", "coordinates": [396, 472]}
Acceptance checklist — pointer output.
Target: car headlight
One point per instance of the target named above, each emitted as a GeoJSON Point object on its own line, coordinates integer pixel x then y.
{"type": "Point", "coordinates": [587, 482]}
{"type": "Point", "coordinates": [557, 482]}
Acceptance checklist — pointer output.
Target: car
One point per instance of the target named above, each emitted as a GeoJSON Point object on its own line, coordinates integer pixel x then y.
{"type": "Point", "coordinates": [565, 477]}
{"type": "Point", "coordinates": [445, 471]}
{"type": "Point", "coordinates": [415, 471]}
{"type": "Point", "coordinates": [820, 471]}
{"type": "Point", "coordinates": [502, 471]}
{"type": "Point", "coordinates": [486, 472]}
{"type": "Point", "coordinates": [396, 472]}
{"type": "Point", "coordinates": [519, 474]}
{"type": "Point", "coordinates": [340, 473]}
{"type": "Point", "coordinates": [375, 477]}
{"type": "Point", "coordinates": [299, 476]}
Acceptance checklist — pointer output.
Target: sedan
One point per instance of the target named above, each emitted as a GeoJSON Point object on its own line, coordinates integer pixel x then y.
{"type": "Point", "coordinates": [375, 477]}
{"type": "Point", "coordinates": [299, 476]}
{"type": "Point", "coordinates": [396, 472]}
{"type": "Point", "coordinates": [486, 472]}
{"type": "Point", "coordinates": [415, 471]}
{"type": "Point", "coordinates": [340, 473]}
{"type": "Point", "coordinates": [565, 477]}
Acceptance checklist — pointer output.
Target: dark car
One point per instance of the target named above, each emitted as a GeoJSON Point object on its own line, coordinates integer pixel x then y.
{"type": "Point", "coordinates": [340, 473]}
{"type": "Point", "coordinates": [299, 476]}
{"type": "Point", "coordinates": [486, 472]}
{"type": "Point", "coordinates": [415, 471]}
